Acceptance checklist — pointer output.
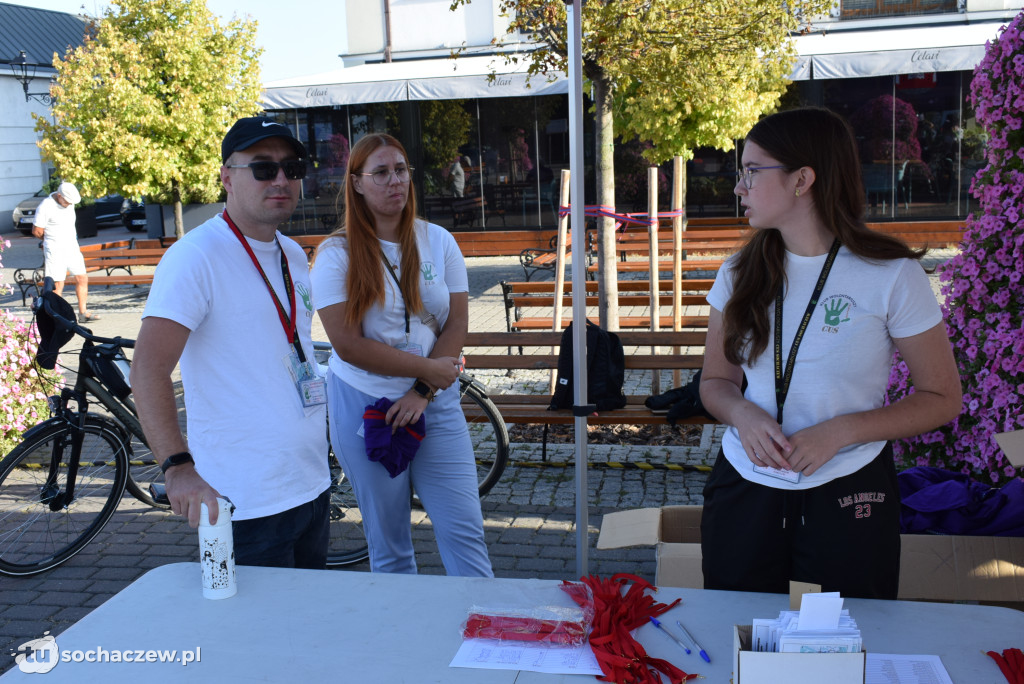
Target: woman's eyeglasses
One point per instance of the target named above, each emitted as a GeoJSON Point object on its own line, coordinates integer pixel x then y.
{"type": "Point", "coordinates": [383, 176]}
{"type": "Point", "coordinates": [267, 170]}
{"type": "Point", "coordinates": [747, 175]}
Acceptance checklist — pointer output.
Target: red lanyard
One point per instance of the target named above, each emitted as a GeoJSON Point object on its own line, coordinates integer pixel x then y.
{"type": "Point", "coordinates": [287, 322]}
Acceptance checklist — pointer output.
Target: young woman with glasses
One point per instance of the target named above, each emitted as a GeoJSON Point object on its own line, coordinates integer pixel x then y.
{"type": "Point", "coordinates": [811, 310]}
{"type": "Point", "coordinates": [392, 293]}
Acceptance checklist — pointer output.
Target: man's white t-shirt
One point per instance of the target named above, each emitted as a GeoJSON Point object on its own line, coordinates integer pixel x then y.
{"type": "Point", "coordinates": [248, 431]}
{"type": "Point", "coordinates": [442, 272]}
{"type": "Point", "coordinates": [59, 224]}
{"type": "Point", "coordinates": [843, 362]}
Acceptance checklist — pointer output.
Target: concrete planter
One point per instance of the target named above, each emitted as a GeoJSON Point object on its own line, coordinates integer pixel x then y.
{"type": "Point", "coordinates": [160, 218]}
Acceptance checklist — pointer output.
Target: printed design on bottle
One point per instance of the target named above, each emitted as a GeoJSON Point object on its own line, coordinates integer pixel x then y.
{"type": "Point", "coordinates": [217, 558]}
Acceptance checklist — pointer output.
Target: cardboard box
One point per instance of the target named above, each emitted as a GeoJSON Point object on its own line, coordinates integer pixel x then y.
{"type": "Point", "coordinates": [753, 667]}
{"type": "Point", "coordinates": [935, 567]}
{"type": "Point", "coordinates": [673, 530]}
{"type": "Point", "coordinates": [1012, 444]}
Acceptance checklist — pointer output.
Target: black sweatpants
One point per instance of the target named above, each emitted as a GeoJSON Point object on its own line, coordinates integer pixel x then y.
{"type": "Point", "coordinates": [843, 535]}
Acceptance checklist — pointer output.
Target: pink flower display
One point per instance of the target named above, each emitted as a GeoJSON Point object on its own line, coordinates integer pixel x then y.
{"type": "Point", "coordinates": [23, 388]}
{"type": "Point", "coordinates": [982, 284]}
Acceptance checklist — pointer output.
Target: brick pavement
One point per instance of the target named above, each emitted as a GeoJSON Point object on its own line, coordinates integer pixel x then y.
{"type": "Point", "coordinates": [529, 516]}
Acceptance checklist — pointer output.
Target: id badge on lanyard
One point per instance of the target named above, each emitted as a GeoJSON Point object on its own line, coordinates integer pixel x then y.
{"type": "Point", "coordinates": [312, 388]}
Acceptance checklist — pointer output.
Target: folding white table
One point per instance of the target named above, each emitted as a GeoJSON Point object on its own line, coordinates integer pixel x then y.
{"type": "Point", "coordinates": [319, 626]}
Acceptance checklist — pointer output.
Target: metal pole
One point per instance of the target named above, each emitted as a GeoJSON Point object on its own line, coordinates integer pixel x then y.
{"type": "Point", "coordinates": [574, 12]}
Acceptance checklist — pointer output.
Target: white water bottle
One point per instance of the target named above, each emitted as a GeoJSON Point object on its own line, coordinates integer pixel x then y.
{"type": "Point", "coordinates": [217, 552]}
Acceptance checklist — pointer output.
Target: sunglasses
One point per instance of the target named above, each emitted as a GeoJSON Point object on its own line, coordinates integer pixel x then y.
{"type": "Point", "coordinates": [267, 170]}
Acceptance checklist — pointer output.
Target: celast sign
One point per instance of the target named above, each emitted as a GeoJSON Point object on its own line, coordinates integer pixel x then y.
{"type": "Point", "coordinates": [436, 79]}
{"type": "Point", "coordinates": [887, 52]}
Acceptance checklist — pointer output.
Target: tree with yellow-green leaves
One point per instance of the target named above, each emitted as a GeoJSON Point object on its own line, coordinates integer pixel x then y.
{"type": "Point", "coordinates": [679, 74]}
{"type": "Point", "coordinates": [142, 106]}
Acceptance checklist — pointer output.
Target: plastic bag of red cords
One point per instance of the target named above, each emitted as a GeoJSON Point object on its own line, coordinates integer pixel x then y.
{"type": "Point", "coordinates": [536, 612]}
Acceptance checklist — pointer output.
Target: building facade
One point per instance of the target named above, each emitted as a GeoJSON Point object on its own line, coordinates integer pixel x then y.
{"type": "Point", "coordinates": [899, 70]}
{"type": "Point", "coordinates": [39, 34]}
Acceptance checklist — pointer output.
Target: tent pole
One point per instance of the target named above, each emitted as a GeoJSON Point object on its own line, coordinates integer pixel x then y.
{"type": "Point", "coordinates": [574, 11]}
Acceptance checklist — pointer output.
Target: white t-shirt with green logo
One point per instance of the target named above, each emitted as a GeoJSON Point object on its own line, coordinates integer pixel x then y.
{"type": "Point", "coordinates": [442, 272]}
{"type": "Point", "coordinates": [843, 362]}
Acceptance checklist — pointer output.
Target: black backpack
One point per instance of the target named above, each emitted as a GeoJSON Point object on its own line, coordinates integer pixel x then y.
{"type": "Point", "coordinates": [606, 370]}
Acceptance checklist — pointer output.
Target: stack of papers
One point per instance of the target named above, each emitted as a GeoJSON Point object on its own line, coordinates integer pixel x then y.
{"type": "Point", "coordinates": [821, 625]}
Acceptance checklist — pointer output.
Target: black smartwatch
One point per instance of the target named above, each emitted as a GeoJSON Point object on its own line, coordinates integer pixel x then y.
{"type": "Point", "coordinates": [423, 389]}
{"type": "Point", "coordinates": [176, 460]}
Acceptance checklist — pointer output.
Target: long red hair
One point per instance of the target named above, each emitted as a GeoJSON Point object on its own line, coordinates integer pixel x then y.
{"type": "Point", "coordinates": [366, 275]}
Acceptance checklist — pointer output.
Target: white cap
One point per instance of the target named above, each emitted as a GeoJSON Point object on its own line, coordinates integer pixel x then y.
{"type": "Point", "coordinates": [69, 192]}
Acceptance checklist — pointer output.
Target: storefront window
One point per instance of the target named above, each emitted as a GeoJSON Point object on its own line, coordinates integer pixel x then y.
{"type": "Point", "coordinates": [914, 161]}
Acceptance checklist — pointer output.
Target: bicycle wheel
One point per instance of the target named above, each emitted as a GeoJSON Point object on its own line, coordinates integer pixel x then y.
{"type": "Point", "coordinates": [347, 543]}
{"type": "Point", "coordinates": [38, 530]}
{"type": "Point", "coordinates": [143, 469]}
{"type": "Point", "coordinates": [487, 431]}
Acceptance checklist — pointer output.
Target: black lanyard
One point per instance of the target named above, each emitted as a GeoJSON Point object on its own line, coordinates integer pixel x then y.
{"type": "Point", "coordinates": [405, 307]}
{"type": "Point", "coordinates": [782, 380]}
{"type": "Point", "coordinates": [287, 322]}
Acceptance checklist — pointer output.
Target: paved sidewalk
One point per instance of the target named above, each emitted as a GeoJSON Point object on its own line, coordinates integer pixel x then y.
{"type": "Point", "coordinates": [529, 516]}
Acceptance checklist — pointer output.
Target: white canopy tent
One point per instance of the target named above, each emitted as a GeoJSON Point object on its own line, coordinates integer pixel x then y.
{"type": "Point", "coordinates": [886, 52]}
{"type": "Point", "coordinates": [431, 79]}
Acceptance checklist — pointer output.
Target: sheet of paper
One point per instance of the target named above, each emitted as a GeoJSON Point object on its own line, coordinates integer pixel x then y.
{"type": "Point", "coordinates": [820, 611]}
{"type": "Point", "coordinates": [883, 668]}
{"type": "Point", "coordinates": [492, 655]}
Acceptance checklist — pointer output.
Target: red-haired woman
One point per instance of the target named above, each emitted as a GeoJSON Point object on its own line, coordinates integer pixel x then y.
{"type": "Point", "coordinates": [392, 293]}
{"type": "Point", "coordinates": [811, 310]}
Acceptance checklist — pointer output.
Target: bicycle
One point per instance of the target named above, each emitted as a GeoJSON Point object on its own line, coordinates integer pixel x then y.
{"type": "Point", "coordinates": [488, 433]}
{"type": "Point", "coordinates": [61, 485]}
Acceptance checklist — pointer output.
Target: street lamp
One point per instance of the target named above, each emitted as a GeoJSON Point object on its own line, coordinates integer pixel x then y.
{"type": "Point", "coordinates": [25, 72]}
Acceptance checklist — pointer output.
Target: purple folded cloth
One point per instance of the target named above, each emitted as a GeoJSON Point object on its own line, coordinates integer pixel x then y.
{"type": "Point", "coordinates": [937, 501]}
{"type": "Point", "coordinates": [394, 451]}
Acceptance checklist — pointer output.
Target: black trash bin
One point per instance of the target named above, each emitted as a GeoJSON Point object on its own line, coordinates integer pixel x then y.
{"type": "Point", "coordinates": [85, 221]}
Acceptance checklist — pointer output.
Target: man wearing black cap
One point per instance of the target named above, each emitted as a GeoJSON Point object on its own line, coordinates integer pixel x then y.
{"type": "Point", "coordinates": [231, 301]}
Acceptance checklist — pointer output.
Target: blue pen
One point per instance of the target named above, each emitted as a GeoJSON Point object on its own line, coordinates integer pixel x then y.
{"type": "Point", "coordinates": [703, 653]}
{"type": "Point", "coordinates": [670, 634]}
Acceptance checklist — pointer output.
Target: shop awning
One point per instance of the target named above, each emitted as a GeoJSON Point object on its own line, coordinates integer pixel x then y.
{"type": "Point", "coordinates": [886, 52]}
{"type": "Point", "coordinates": [433, 79]}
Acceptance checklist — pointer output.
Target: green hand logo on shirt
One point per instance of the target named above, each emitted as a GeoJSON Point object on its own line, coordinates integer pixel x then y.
{"type": "Point", "coordinates": [428, 272]}
{"type": "Point", "coordinates": [834, 310]}
{"type": "Point", "coordinates": [303, 291]}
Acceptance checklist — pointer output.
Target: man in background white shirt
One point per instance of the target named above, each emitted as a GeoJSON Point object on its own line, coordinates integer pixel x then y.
{"type": "Point", "coordinates": [55, 225]}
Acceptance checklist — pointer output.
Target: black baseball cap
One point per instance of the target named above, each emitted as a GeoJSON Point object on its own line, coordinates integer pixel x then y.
{"type": "Point", "coordinates": [250, 130]}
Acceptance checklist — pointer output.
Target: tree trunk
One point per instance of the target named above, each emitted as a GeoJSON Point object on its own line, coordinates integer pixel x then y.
{"type": "Point", "coordinates": [604, 165]}
{"type": "Point", "coordinates": [179, 222]}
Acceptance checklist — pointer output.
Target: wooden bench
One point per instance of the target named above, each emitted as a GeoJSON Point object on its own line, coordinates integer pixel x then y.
{"type": "Point", "coordinates": [490, 351]}
{"type": "Point", "coordinates": [468, 210]}
{"type": "Point", "coordinates": [309, 243]}
{"type": "Point", "coordinates": [534, 259]}
{"type": "Point", "coordinates": [31, 279]}
{"type": "Point", "coordinates": [519, 296]}
{"type": "Point", "coordinates": [637, 243]}
{"type": "Point", "coordinates": [110, 260]}
{"type": "Point", "coordinates": [928, 234]}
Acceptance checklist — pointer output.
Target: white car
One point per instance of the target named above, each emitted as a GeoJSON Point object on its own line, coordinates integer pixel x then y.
{"type": "Point", "coordinates": [25, 213]}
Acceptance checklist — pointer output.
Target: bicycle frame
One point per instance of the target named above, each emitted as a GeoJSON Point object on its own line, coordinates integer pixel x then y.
{"type": "Point", "coordinates": [62, 413]}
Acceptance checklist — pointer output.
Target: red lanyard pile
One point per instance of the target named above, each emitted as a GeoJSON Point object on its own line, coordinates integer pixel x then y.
{"type": "Point", "coordinates": [1011, 664]}
{"type": "Point", "coordinates": [616, 613]}
{"type": "Point", "coordinates": [555, 632]}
